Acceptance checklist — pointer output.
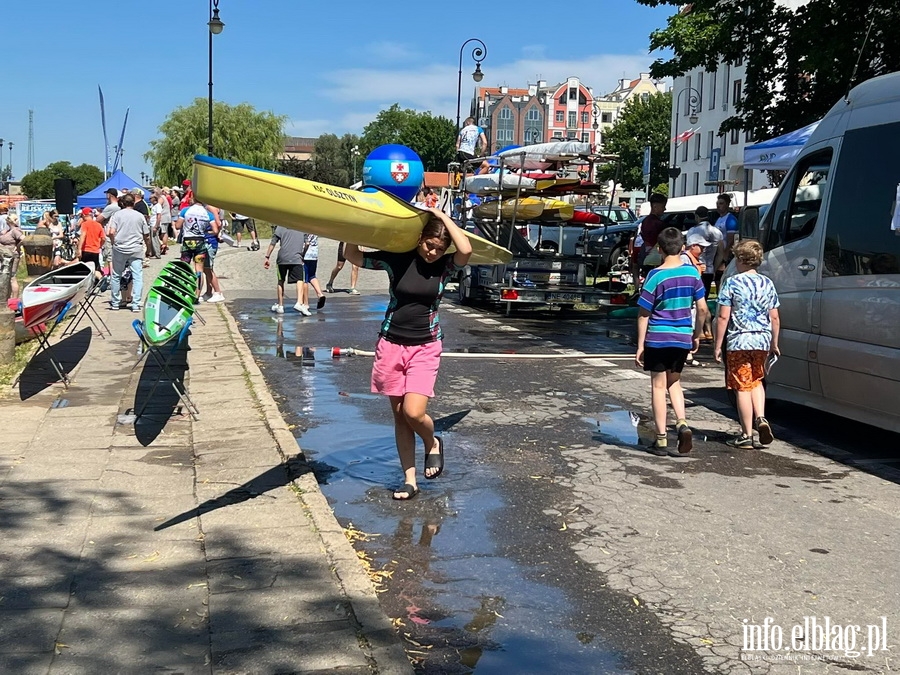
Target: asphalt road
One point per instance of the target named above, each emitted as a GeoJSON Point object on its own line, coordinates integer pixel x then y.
{"type": "Point", "coordinates": [554, 542]}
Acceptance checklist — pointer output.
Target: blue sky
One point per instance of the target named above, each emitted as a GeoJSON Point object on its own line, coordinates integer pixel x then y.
{"type": "Point", "coordinates": [329, 67]}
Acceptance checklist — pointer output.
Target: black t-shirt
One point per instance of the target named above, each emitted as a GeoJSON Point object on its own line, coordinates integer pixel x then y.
{"type": "Point", "coordinates": [141, 207]}
{"type": "Point", "coordinates": [416, 288]}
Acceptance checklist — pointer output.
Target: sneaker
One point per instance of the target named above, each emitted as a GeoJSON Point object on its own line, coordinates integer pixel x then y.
{"type": "Point", "coordinates": [658, 447]}
{"type": "Point", "coordinates": [135, 309]}
{"type": "Point", "coordinates": [278, 309]}
{"type": "Point", "coordinates": [216, 297]}
{"type": "Point", "coordinates": [114, 306]}
{"type": "Point", "coordinates": [685, 441]}
{"type": "Point", "coordinates": [765, 431]}
{"type": "Point", "coordinates": [329, 288]}
{"type": "Point", "coordinates": [353, 291]}
{"type": "Point", "coordinates": [741, 441]}
{"type": "Point", "coordinates": [303, 309]}
{"type": "Point", "coordinates": [321, 303]}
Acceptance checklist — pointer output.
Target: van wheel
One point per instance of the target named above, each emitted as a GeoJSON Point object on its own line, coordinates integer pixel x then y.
{"type": "Point", "coordinates": [618, 252]}
{"type": "Point", "coordinates": [464, 289]}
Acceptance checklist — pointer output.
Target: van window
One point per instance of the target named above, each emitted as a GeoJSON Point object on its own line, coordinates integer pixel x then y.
{"type": "Point", "coordinates": [859, 239]}
{"type": "Point", "coordinates": [796, 212]}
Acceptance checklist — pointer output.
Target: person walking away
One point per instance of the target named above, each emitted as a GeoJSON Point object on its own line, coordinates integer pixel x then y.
{"type": "Point", "coordinates": [213, 231]}
{"type": "Point", "coordinates": [161, 215]}
{"type": "Point", "coordinates": [705, 229]}
{"type": "Point", "coordinates": [11, 237]}
{"type": "Point", "coordinates": [727, 224]}
{"type": "Point", "coordinates": [468, 140]}
{"type": "Point", "coordinates": [192, 224]}
{"type": "Point", "coordinates": [648, 254]}
{"type": "Point", "coordinates": [141, 207]}
{"type": "Point", "coordinates": [338, 266]}
{"type": "Point", "coordinates": [239, 223]}
{"type": "Point", "coordinates": [665, 336]}
{"type": "Point", "coordinates": [749, 325]}
{"type": "Point", "coordinates": [290, 266]}
{"type": "Point", "coordinates": [130, 235]}
{"type": "Point", "coordinates": [408, 351]}
{"type": "Point", "coordinates": [310, 266]}
{"type": "Point", "coordinates": [695, 245]}
{"type": "Point", "coordinates": [91, 238]}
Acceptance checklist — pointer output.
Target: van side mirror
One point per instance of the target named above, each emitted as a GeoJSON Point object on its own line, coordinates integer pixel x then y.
{"type": "Point", "coordinates": [748, 223]}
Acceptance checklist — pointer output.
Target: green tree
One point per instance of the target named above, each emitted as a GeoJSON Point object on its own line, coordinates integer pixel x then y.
{"type": "Point", "coordinates": [799, 63]}
{"type": "Point", "coordinates": [432, 138]}
{"type": "Point", "coordinates": [39, 184]}
{"type": "Point", "coordinates": [331, 161]}
{"type": "Point", "coordinates": [641, 123]}
{"type": "Point", "coordinates": [240, 134]}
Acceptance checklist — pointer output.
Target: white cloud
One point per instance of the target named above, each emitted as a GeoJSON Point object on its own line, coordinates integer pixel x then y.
{"type": "Point", "coordinates": [392, 51]}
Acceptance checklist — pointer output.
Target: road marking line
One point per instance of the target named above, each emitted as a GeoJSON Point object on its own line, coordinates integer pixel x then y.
{"type": "Point", "coordinates": [487, 320]}
{"type": "Point", "coordinates": [599, 363]}
{"type": "Point", "coordinates": [631, 375]}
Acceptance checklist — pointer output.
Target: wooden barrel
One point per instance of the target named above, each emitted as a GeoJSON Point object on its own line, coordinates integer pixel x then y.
{"type": "Point", "coordinates": [38, 249]}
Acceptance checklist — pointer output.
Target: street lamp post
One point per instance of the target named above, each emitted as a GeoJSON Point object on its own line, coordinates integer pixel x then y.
{"type": "Point", "coordinates": [215, 27]}
{"type": "Point", "coordinates": [1, 155]}
{"type": "Point", "coordinates": [694, 105]}
{"type": "Point", "coordinates": [535, 135]}
{"type": "Point", "coordinates": [478, 54]}
{"type": "Point", "coordinates": [10, 160]}
{"type": "Point", "coordinates": [354, 153]}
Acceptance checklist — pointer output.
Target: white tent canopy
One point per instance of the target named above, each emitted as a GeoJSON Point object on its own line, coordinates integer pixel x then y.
{"type": "Point", "coordinates": [777, 154]}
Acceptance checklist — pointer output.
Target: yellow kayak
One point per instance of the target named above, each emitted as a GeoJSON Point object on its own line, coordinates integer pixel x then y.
{"type": "Point", "coordinates": [556, 211]}
{"type": "Point", "coordinates": [371, 219]}
{"type": "Point", "coordinates": [526, 208]}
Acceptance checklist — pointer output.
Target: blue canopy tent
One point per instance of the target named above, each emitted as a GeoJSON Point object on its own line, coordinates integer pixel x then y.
{"type": "Point", "coordinates": [96, 198]}
{"type": "Point", "coordinates": [777, 154]}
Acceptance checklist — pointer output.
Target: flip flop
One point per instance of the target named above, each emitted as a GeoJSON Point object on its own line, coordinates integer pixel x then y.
{"type": "Point", "coordinates": [410, 490]}
{"type": "Point", "coordinates": [435, 460]}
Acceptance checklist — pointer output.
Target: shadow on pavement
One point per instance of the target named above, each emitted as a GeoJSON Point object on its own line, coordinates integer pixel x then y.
{"type": "Point", "coordinates": [447, 422]}
{"type": "Point", "coordinates": [39, 374]}
{"type": "Point", "coordinates": [155, 397]}
{"type": "Point", "coordinates": [276, 477]}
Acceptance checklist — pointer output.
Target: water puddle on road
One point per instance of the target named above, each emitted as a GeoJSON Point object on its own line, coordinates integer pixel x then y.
{"type": "Point", "coordinates": [462, 604]}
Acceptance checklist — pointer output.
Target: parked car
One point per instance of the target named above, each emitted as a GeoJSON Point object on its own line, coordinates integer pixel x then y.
{"type": "Point", "coordinates": [567, 238]}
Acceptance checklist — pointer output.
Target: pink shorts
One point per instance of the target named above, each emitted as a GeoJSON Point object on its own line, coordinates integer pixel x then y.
{"type": "Point", "coordinates": [403, 369]}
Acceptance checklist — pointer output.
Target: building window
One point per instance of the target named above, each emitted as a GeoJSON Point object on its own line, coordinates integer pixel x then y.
{"type": "Point", "coordinates": [505, 125]}
{"type": "Point", "coordinates": [748, 136]}
{"type": "Point", "coordinates": [606, 117]}
{"type": "Point", "coordinates": [698, 138]}
{"type": "Point", "coordinates": [573, 92]}
{"type": "Point", "coordinates": [573, 120]}
{"type": "Point", "coordinates": [560, 116]}
{"type": "Point", "coordinates": [700, 78]}
{"type": "Point", "coordinates": [709, 145]}
{"type": "Point", "coordinates": [585, 137]}
{"type": "Point", "coordinates": [584, 118]}
{"type": "Point", "coordinates": [735, 136]}
{"type": "Point", "coordinates": [684, 149]}
{"type": "Point", "coordinates": [570, 135]}
{"type": "Point", "coordinates": [695, 182]}
{"type": "Point", "coordinates": [683, 184]}
{"type": "Point", "coordinates": [645, 97]}
{"type": "Point", "coordinates": [736, 92]}
{"type": "Point", "coordinates": [533, 115]}
{"type": "Point", "coordinates": [712, 90]}
{"type": "Point", "coordinates": [687, 95]}
{"type": "Point", "coordinates": [557, 134]}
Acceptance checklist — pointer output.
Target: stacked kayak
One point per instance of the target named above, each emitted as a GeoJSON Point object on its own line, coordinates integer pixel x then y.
{"type": "Point", "coordinates": [170, 303]}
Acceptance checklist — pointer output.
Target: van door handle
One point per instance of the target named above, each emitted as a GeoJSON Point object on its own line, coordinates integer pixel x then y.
{"type": "Point", "coordinates": [806, 266]}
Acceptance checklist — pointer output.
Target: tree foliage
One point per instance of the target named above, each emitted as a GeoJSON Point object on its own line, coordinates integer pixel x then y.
{"type": "Point", "coordinates": [799, 62]}
{"type": "Point", "coordinates": [240, 134]}
{"type": "Point", "coordinates": [39, 184]}
{"type": "Point", "coordinates": [641, 123]}
{"type": "Point", "coordinates": [332, 161]}
{"type": "Point", "coordinates": [432, 138]}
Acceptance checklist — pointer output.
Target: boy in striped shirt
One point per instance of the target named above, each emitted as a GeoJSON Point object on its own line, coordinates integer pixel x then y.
{"type": "Point", "coordinates": [666, 335]}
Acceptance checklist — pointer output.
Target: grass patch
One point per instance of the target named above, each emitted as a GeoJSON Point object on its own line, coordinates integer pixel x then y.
{"type": "Point", "coordinates": [9, 371]}
{"type": "Point", "coordinates": [264, 230]}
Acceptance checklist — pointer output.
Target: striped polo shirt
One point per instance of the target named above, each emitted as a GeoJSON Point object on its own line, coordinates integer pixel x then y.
{"type": "Point", "coordinates": [668, 294]}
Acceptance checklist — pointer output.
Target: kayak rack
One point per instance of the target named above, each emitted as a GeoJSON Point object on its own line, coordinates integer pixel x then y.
{"type": "Point", "coordinates": [163, 361]}
{"type": "Point", "coordinates": [86, 309]}
{"type": "Point", "coordinates": [43, 338]}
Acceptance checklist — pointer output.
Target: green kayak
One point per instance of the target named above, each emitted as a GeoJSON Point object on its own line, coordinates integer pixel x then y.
{"type": "Point", "coordinates": [188, 286]}
{"type": "Point", "coordinates": [166, 312]}
{"type": "Point", "coordinates": [174, 272]}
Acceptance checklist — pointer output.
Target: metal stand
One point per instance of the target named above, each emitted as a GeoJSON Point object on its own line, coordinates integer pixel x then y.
{"type": "Point", "coordinates": [86, 309]}
{"type": "Point", "coordinates": [43, 338]}
{"type": "Point", "coordinates": [162, 360]}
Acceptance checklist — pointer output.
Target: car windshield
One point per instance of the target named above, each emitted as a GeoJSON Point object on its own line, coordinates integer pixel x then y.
{"type": "Point", "coordinates": [616, 215]}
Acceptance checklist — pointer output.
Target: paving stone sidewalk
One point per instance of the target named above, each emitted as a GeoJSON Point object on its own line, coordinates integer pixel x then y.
{"type": "Point", "coordinates": [171, 545]}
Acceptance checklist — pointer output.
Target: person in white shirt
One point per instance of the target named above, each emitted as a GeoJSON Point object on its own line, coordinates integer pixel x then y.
{"type": "Point", "coordinates": [468, 139]}
{"type": "Point", "coordinates": [311, 264]}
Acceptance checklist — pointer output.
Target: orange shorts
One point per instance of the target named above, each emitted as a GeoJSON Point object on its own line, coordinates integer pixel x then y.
{"type": "Point", "coordinates": [745, 369]}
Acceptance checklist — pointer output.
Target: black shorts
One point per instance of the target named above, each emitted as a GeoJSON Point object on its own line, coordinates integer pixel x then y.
{"type": "Point", "coordinates": [341, 257]}
{"type": "Point", "coordinates": [87, 256]}
{"type": "Point", "coordinates": [665, 359]}
{"type": "Point", "coordinates": [464, 156]}
{"type": "Point", "coordinates": [707, 283]}
{"type": "Point", "coordinates": [292, 274]}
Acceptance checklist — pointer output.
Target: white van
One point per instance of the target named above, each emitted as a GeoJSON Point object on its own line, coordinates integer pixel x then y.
{"type": "Point", "coordinates": [835, 260]}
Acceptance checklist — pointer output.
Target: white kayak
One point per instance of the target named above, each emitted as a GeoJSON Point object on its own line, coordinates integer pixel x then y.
{"type": "Point", "coordinates": [544, 155]}
{"type": "Point", "coordinates": [45, 298]}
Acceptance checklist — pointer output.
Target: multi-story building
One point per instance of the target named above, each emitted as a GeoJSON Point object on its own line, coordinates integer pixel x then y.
{"type": "Point", "coordinates": [565, 111]}
{"type": "Point", "coordinates": [298, 147]}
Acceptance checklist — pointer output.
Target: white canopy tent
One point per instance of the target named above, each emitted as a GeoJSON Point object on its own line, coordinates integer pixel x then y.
{"type": "Point", "coordinates": [777, 154]}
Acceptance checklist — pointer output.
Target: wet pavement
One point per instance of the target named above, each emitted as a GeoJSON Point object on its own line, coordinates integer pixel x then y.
{"type": "Point", "coordinates": [498, 566]}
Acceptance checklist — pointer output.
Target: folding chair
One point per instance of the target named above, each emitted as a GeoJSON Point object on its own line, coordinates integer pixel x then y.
{"type": "Point", "coordinates": [43, 338]}
{"type": "Point", "coordinates": [163, 359]}
{"type": "Point", "coordinates": [86, 309]}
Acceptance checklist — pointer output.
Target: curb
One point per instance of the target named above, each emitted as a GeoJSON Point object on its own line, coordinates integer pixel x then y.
{"type": "Point", "coordinates": [374, 627]}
